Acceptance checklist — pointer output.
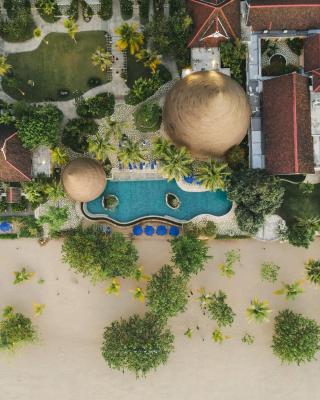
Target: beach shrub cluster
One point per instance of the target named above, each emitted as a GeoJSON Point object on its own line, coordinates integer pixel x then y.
{"type": "Point", "coordinates": [147, 117]}
{"type": "Point", "coordinates": [99, 106]}
{"type": "Point", "coordinates": [105, 9]}
{"type": "Point", "coordinates": [76, 132]}
{"type": "Point", "coordinates": [20, 25]}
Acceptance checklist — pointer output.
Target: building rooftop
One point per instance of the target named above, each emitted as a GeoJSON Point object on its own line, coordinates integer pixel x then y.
{"type": "Point", "coordinates": [278, 15]}
{"type": "Point", "coordinates": [214, 22]}
{"type": "Point", "coordinates": [312, 53]}
{"type": "Point", "coordinates": [287, 125]}
{"type": "Point", "coordinates": [15, 160]}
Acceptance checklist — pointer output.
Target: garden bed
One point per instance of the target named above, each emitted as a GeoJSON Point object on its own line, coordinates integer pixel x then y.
{"type": "Point", "coordinates": [58, 63]}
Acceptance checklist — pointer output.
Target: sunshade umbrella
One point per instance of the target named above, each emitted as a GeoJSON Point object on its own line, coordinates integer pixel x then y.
{"type": "Point", "coordinates": [5, 226]}
{"type": "Point", "coordinates": [161, 230]}
{"type": "Point", "coordinates": [137, 230]}
{"type": "Point", "coordinates": [174, 231]}
{"type": "Point", "coordinates": [149, 230]}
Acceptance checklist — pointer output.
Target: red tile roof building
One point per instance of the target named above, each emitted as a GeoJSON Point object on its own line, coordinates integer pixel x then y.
{"type": "Point", "coordinates": [311, 53]}
{"type": "Point", "coordinates": [214, 21]}
{"type": "Point", "coordinates": [316, 80]}
{"type": "Point", "coordinates": [287, 125]}
{"type": "Point", "coordinates": [275, 15]}
{"type": "Point", "coordinates": [15, 160]}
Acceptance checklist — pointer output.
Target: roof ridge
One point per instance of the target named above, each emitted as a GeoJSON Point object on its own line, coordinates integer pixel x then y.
{"type": "Point", "coordinates": [201, 27]}
{"type": "Point", "coordinates": [228, 23]}
{"type": "Point", "coordinates": [282, 5]}
{"type": "Point", "coordinates": [295, 127]}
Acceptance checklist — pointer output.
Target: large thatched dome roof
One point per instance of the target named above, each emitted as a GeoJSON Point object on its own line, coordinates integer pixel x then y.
{"type": "Point", "coordinates": [208, 112]}
{"type": "Point", "coordinates": [83, 179]}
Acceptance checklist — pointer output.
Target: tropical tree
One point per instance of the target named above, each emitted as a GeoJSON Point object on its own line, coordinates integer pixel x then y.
{"type": "Point", "coordinates": [15, 330]}
{"type": "Point", "coordinates": [22, 276]}
{"type": "Point", "coordinates": [167, 293]}
{"type": "Point", "coordinates": [114, 128]}
{"type": "Point", "coordinates": [296, 338]}
{"type": "Point", "coordinates": [160, 147]}
{"type": "Point", "coordinates": [216, 307]}
{"type": "Point", "coordinates": [312, 268]}
{"type": "Point", "coordinates": [213, 174]}
{"type": "Point", "coordinates": [176, 163]}
{"type": "Point", "coordinates": [101, 58]}
{"type": "Point", "coordinates": [189, 254]}
{"type": "Point", "coordinates": [100, 147]}
{"type": "Point", "coordinates": [130, 152]}
{"type": "Point", "coordinates": [4, 66]}
{"type": "Point", "coordinates": [130, 38]}
{"type": "Point", "coordinates": [59, 156]}
{"type": "Point", "coordinates": [137, 345]}
{"type": "Point", "coordinates": [55, 217]}
{"type": "Point", "coordinates": [302, 231]}
{"type": "Point", "coordinates": [258, 311]}
{"type": "Point", "coordinates": [291, 291]}
{"type": "Point", "coordinates": [72, 27]}
{"type": "Point", "coordinates": [54, 190]}
{"type": "Point", "coordinates": [35, 191]}
{"type": "Point", "coordinates": [150, 59]}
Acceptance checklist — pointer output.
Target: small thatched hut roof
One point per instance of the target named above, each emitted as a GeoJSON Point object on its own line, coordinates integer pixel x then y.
{"type": "Point", "coordinates": [83, 179]}
{"type": "Point", "coordinates": [208, 112]}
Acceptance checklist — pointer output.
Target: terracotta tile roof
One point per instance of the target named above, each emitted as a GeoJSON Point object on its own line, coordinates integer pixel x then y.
{"type": "Point", "coordinates": [316, 80]}
{"type": "Point", "coordinates": [287, 125]}
{"type": "Point", "coordinates": [284, 14]}
{"type": "Point", "coordinates": [214, 22]}
{"type": "Point", "coordinates": [312, 53]}
{"type": "Point", "coordinates": [15, 160]}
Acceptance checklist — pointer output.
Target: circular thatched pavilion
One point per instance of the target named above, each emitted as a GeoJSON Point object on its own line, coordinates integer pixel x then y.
{"type": "Point", "coordinates": [83, 179]}
{"type": "Point", "coordinates": [208, 112]}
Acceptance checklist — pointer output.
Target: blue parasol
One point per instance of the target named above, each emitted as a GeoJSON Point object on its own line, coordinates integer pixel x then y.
{"type": "Point", "coordinates": [174, 231]}
{"type": "Point", "coordinates": [161, 230]}
{"type": "Point", "coordinates": [5, 226]}
{"type": "Point", "coordinates": [137, 230]}
{"type": "Point", "coordinates": [188, 179]}
{"type": "Point", "coordinates": [149, 230]}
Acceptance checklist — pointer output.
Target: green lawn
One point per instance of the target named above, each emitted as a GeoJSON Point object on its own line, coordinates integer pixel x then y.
{"type": "Point", "coordinates": [60, 64]}
{"type": "Point", "coordinates": [297, 204]}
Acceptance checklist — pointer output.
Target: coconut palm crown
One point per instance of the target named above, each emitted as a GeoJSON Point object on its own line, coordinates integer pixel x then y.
{"type": "Point", "coordinates": [176, 163]}
{"type": "Point", "coordinates": [4, 66]}
{"type": "Point", "coordinates": [130, 38]}
{"type": "Point", "coordinates": [258, 311]}
{"type": "Point", "coordinates": [150, 59]}
{"type": "Point", "coordinates": [100, 147]}
{"type": "Point", "coordinates": [101, 58]}
{"type": "Point", "coordinates": [130, 152]}
{"type": "Point", "coordinates": [213, 174]}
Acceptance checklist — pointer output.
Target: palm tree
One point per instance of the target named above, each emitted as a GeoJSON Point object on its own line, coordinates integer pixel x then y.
{"type": "Point", "coordinates": [72, 27]}
{"type": "Point", "coordinates": [150, 59]}
{"type": "Point", "coordinates": [47, 6]}
{"type": "Point", "coordinates": [258, 311]}
{"type": "Point", "coordinates": [213, 174]}
{"type": "Point", "coordinates": [59, 156]}
{"type": "Point", "coordinates": [4, 66]}
{"type": "Point", "coordinates": [291, 291]}
{"type": "Point", "coordinates": [130, 39]}
{"type": "Point", "coordinates": [114, 287]}
{"type": "Point", "coordinates": [130, 152]}
{"type": "Point", "coordinates": [160, 147]}
{"type": "Point", "coordinates": [218, 336]}
{"type": "Point", "coordinates": [38, 309]}
{"type": "Point", "coordinates": [312, 223]}
{"type": "Point", "coordinates": [100, 147]}
{"type": "Point", "coordinates": [101, 58]}
{"type": "Point", "coordinates": [313, 271]}
{"type": "Point", "coordinates": [54, 190]}
{"type": "Point", "coordinates": [37, 32]}
{"type": "Point", "coordinates": [114, 128]}
{"type": "Point", "coordinates": [139, 275]}
{"type": "Point", "coordinates": [176, 163]}
{"type": "Point", "coordinates": [22, 276]}
{"type": "Point", "coordinates": [138, 294]}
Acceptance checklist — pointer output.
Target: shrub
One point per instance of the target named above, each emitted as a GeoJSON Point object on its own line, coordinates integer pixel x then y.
{"type": "Point", "coordinates": [21, 206]}
{"type": "Point", "coordinates": [22, 276]}
{"type": "Point", "coordinates": [40, 125]}
{"type": "Point", "coordinates": [126, 7]}
{"type": "Point", "coordinates": [296, 338]}
{"type": "Point", "coordinates": [312, 268]}
{"type": "Point", "coordinates": [3, 205]}
{"type": "Point", "coordinates": [295, 45]}
{"type": "Point", "coordinates": [306, 188]}
{"type": "Point", "coordinates": [105, 9]}
{"type": "Point", "coordinates": [279, 69]}
{"type": "Point", "coordinates": [144, 6]}
{"type": "Point", "coordinates": [176, 5]}
{"type": "Point", "coordinates": [35, 191]}
{"type": "Point", "coordinates": [76, 132]}
{"type": "Point", "coordinates": [247, 339]}
{"type": "Point", "coordinates": [302, 232]}
{"type": "Point", "coordinates": [158, 8]}
{"type": "Point", "coordinates": [237, 157]}
{"type": "Point", "coordinates": [92, 253]}
{"type": "Point", "coordinates": [138, 344]}
{"type": "Point", "coordinates": [226, 268]}
{"type": "Point", "coordinates": [93, 82]}
{"type": "Point", "coordinates": [73, 10]}
{"type": "Point", "coordinates": [218, 309]}
{"type": "Point", "coordinates": [99, 106]}
{"type": "Point", "coordinates": [203, 228]}
{"type": "Point", "coordinates": [233, 56]}
{"type": "Point", "coordinates": [55, 218]}
{"type": "Point", "coordinates": [143, 88]}
{"type": "Point", "coordinates": [167, 293]}
{"type": "Point", "coordinates": [258, 311]}
{"type": "Point", "coordinates": [147, 117]}
{"type": "Point", "coordinates": [87, 11]}
{"type": "Point", "coordinates": [48, 10]}
{"type": "Point", "coordinates": [256, 194]}
{"type": "Point", "coordinates": [15, 330]}
{"type": "Point", "coordinates": [269, 272]}
{"type": "Point", "coordinates": [19, 27]}
{"type": "Point", "coordinates": [189, 254]}
{"type": "Point", "coordinates": [28, 227]}
{"type": "Point", "coordinates": [291, 291]}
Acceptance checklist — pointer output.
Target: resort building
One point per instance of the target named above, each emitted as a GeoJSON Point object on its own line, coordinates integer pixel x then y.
{"type": "Point", "coordinates": [15, 160]}
{"type": "Point", "coordinates": [284, 38]}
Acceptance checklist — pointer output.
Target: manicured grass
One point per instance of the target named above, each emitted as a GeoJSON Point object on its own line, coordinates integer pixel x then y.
{"type": "Point", "coordinates": [297, 204]}
{"type": "Point", "coordinates": [60, 64]}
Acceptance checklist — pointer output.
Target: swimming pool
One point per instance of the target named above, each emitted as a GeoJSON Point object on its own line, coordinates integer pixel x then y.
{"type": "Point", "coordinates": [139, 200]}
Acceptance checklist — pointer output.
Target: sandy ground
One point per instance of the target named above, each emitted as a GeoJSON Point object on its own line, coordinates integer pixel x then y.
{"type": "Point", "coordinates": [67, 364]}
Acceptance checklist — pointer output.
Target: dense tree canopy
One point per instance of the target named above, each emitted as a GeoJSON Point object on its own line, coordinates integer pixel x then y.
{"type": "Point", "coordinates": [40, 125]}
{"type": "Point", "coordinates": [99, 256]}
{"type": "Point", "coordinates": [138, 344]}
{"type": "Point", "coordinates": [189, 254]}
{"type": "Point", "coordinates": [256, 194]}
{"type": "Point", "coordinates": [296, 339]}
{"type": "Point", "coordinates": [167, 293]}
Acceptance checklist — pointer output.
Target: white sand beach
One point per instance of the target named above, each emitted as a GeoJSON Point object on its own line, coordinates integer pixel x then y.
{"type": "Point", "coordinates": [67, 364]}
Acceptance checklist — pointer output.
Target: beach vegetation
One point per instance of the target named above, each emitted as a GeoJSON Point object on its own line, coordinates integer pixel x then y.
{"type": "Point", "coordinates": [312, 268]}
{"type": "Point", "coordinates": [217, 309]}
{"type": "Point", "coordinates": [290, 290]}
{"type": "Point", "coordinates": [269, 272]}
{"type": "Point", "coordinates": [258, 311]}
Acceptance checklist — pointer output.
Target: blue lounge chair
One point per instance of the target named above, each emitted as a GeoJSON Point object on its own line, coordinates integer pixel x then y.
{"type": "Point", "coordinates": [130, 166]}
{"type": "Point", "coordinates": [188, 179]}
